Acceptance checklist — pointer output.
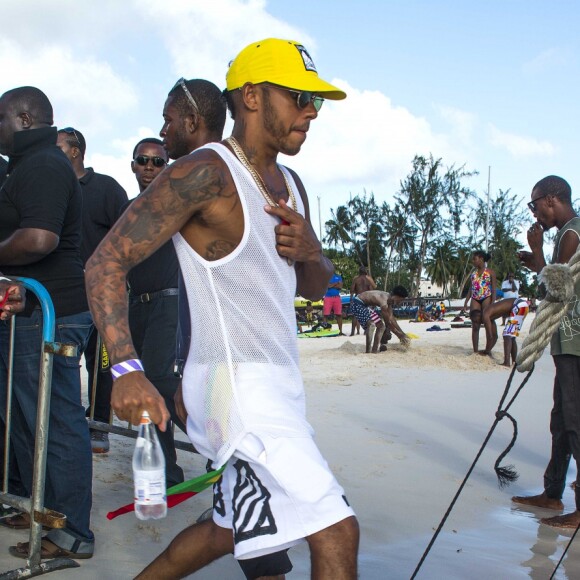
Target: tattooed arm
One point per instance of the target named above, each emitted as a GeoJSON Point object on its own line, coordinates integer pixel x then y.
{"type": "Point", "coordinates": [186, 187]}
{"type": "Point", "coordinates": [298, 241]}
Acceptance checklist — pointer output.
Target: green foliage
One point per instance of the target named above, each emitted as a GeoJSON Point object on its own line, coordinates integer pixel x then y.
{"type": "Point", "coordinates": [345, 265]}
{"type": "Point", "coordinates": [433, 227]}
{"type": "Point", "coordinates": [357, 228]}
{"type": "Point", "coordinates": [433, 198]}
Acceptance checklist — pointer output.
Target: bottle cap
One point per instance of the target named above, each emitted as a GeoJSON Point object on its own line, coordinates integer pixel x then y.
{"type": "Point", "coordinates": [145, 418]}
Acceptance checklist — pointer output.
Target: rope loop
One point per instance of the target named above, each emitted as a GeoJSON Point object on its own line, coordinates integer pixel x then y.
{"type": "Point", "coordinates": [559, 281]}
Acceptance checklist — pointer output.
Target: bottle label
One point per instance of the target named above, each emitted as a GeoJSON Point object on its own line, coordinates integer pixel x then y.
{"type": "Point", "coordinates": [150, 487]}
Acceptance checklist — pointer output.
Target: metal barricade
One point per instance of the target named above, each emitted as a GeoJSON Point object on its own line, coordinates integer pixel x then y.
{"type": "Point", "coordinates": [34, 506]}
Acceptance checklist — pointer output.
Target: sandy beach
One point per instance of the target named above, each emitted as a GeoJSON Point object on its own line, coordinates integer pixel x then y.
{"type": "Point", "coordinates": [400, 430]}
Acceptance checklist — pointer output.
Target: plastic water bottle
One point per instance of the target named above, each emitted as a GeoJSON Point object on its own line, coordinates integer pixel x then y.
{"type": "Point", "coordinates": [149, 473]}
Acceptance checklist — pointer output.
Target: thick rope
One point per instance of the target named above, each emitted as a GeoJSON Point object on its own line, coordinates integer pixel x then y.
{"type": "Point", "coordinates": [559, 281]}
{"type": "Point", "coordinates": [508, 474]}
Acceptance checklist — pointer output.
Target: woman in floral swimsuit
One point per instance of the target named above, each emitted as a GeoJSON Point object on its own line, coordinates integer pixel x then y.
{"type": "Point", "coordinates": [482, 294]}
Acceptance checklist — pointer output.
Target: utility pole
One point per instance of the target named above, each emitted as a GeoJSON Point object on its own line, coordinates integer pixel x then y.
{"type": "Point", "coordinates": [488, 203]}
{"type": "Point", "coordinates": [319, 222]}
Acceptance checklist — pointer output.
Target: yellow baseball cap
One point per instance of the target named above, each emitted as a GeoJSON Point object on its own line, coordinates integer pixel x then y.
{"type": "Point", "coordinates": [280, 62]}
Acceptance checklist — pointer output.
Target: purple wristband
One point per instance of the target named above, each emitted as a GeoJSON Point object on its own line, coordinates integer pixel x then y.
{"type": "Point", "coordinates": [128, 366]}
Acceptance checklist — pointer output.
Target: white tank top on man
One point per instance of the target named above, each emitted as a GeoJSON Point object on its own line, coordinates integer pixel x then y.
{"type": "Point", "coordinates": [242, 372]}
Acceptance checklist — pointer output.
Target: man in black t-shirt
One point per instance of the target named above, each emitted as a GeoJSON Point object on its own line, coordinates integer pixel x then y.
{"type": "Point", "coordinates": [3, 168]}
{"type": "Point", "coordinates": [153, 308]}
{"type": "Point", "coordinates": [103, 198]}
{"type": "Point", "coordinates": [40, 233]}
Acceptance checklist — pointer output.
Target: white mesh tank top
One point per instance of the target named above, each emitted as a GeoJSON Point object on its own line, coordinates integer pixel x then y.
{"type": "Point", "coordinates": [241, 374]}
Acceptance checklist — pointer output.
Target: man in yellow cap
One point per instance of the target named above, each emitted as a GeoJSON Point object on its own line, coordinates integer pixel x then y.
{"type": "Point", "coordinates": [241, 227]}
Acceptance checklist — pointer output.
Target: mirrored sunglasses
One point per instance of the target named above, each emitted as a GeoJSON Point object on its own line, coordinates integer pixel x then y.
{"type": "Point", "coordinates": [303, 98]}
{"type": "Point", "coordinates": [144, 159]}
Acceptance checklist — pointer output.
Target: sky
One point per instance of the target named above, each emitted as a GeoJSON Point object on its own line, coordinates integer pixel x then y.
{"type": "Point", "coordinates": [492, 85]}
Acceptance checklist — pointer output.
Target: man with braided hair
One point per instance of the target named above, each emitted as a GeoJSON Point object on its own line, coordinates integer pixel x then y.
{"type": "Point", "coordinates": [551, 205]}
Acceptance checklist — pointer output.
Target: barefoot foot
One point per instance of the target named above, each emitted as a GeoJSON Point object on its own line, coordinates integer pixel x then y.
{"type": "Point", "coordinates": [569, 521]}
{"type": "Point", "coordinates": [541, 501]}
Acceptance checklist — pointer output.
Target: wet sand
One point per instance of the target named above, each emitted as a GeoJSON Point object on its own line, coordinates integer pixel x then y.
{"type": "Point", "coordinates": [400, 430]}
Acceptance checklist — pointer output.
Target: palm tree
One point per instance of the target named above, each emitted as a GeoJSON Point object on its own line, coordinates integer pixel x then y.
{"type": "Point", "coordinates": [508, 217]}
{"type": "Point", "coordinates": [366, 217]}
{"type": "Point", "coordinates": [441, 262]}
{"type": "Point", "coordinates": [339, 229]}
{"type": "Point", "coordinates": [400, 234]}
{"type": "Point", "coordinates": [432, 197]}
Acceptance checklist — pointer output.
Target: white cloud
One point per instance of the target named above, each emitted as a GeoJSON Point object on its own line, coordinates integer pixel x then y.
{"type": "Point", "coordinates": [107, 67]}
{"type": "Point", "coordinates": [79, 88]}
{"type": "Point", "coordinates": [518, 145]}
{"type": "Point", "coordinates": [202, 37]}
{"type": "Point", "coordinates": [462, 123]}
{"type": "Point", "coordinates": [85, 26]}
{"type": "Point", "coordinates": [547, 60]}
{"type": "Point", "coordinates": [365, 142]}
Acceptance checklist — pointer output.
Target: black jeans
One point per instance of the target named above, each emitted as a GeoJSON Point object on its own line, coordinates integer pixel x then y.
{"type": "Point", "coordinates": [564, 426]}
{"type": "Point", "coordinates": [153, 329]}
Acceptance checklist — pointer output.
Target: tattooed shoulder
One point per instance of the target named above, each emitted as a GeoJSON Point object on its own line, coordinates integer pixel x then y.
{"type": "Point", "coordinates": [218, 249]}
{"type": "Point", "coordinates": [200, 181]}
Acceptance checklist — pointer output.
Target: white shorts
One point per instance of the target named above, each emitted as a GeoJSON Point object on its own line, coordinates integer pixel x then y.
{"type": "Point", "coordinates": [274, 492]}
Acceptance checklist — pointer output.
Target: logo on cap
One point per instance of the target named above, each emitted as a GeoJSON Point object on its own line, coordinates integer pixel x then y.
{"type": "Point", "coordinates": [306, 58]}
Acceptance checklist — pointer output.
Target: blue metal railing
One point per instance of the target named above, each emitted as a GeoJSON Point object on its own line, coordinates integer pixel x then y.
{"type": "Point", "coordinates": [34, 505]}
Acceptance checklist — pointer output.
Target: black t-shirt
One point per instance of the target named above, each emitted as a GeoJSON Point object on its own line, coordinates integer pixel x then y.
{"type": "Point", "coordinates": [157, 272]}
{"type": "Point", "coordinates": [103, 199]}
{"type": "Point", "coordinates": [42, 191]}
{"type": "Point", "coordinates": [3, 168]}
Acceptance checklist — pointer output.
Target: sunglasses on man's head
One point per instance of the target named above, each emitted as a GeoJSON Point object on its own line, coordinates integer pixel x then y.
{"type": "Point", "coordinates": [71, 131]}
{"type": "Point", "coordinates": [144, 159]}
{"type": "Point", "coordinates": [181, 83]}
{"type": "Point", "coordinates": [303, 98]}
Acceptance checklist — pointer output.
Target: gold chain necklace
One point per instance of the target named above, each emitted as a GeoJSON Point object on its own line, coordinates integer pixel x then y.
{"type": "Point", "coordinates": [258, 178]}
{"type": "Point", "coordinates": [239, 152]}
